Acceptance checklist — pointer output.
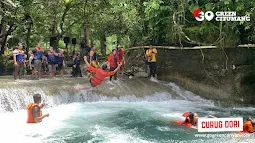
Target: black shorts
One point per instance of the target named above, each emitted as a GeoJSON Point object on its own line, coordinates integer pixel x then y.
{"type": "Point", "coordinates": [92, 83]}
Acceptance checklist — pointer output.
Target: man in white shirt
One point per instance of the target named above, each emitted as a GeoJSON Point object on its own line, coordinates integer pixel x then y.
{"type": "Point", "coordinates": [19, 58]}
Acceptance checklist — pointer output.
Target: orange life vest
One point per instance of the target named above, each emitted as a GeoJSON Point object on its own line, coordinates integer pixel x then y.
{"type": "Point", "coordinates": [99, 77]}
{"type": "Point", "coordinates": [113, 62]}
{"type": "Point", "coordinates": [187, 122]}
{"type": "Point", "coordinates": [120, 54]}
{"type": "Point", "coordinates": [247, 127]}
{"type": "Point", "coordinates": [39, 49]}
{"type": "Point", "coordinates": [30, 107]}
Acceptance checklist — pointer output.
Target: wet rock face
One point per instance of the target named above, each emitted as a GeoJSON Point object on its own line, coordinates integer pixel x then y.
{"type": "Point", "coordinates": [217, 74]}
{"type": "Point", "coordinates": [136, 63]}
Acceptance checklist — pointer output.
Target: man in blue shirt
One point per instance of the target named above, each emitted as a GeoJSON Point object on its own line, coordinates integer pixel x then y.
{"type": "Point", "coordinates": [38, 55]}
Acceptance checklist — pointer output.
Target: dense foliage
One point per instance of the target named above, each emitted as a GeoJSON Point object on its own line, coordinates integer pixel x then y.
{"type": "Point", "coordinates": [131, 22]}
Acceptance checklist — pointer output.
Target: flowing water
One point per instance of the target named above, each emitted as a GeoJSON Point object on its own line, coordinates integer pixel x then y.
{"type": "Point", "coordinates": [112, 120]}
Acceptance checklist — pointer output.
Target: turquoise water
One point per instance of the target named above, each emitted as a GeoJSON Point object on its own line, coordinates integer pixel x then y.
{"type": "Point", "coordinates": [115, 122]}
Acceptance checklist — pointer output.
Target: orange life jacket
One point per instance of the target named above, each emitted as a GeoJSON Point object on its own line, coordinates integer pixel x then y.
{"type": "Point", "coordinates": [120, 54]}
{"type": "Point", "coordinates": [187, 121]}
{"type": "Point", "coordinates": [38, 49]}
{"type": "Point", "coordinates": [113, 62]}
{"type": "Point", "coordinates": [30, 107]}
{"type": "Point", "coordinates": [99, 77]}
{"type": "Point", "coordinates": [247, 127]}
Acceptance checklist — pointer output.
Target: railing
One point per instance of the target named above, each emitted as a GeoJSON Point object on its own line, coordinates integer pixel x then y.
{"type": "Point", "coordinates": [188, 48]}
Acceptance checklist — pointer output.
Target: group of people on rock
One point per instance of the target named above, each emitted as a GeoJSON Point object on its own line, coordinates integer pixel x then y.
{"type": "Point", "coordinates": [38, 61]}
{"type": "Point", "coordinates": [116, 56]}
{"type": "Point", "coordinates": [48, 62]}
{"type": "Point", "coordinates": [96, 74]}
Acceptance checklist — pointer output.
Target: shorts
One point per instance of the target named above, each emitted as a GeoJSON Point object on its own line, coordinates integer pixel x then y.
{"type": "Point", "coordinates": [52, 67]}
{"type": "Point", "coordinates": [91, 83]}
{"type": "Point", "coordinates": [38, 65]}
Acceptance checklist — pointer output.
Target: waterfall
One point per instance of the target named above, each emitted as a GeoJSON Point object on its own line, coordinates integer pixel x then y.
{"type": "Point", "coordinates": [15, 96]}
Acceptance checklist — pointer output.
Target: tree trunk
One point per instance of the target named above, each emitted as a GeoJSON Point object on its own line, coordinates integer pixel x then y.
{"type": "Point", "coordinates": [86, 34]}
{"type": "Point", "coordinates": [3, 30]}
{"type": "Point", "coordinates": [91, 41]}
{"type": "Point", "coordinates": [54, 32]}
{"type": "Point", "coordinates": [3, 44]}
{"type": "Point", "coordinates": [28, 36]}
{"type": "Point", "coordinates": [103, 44]}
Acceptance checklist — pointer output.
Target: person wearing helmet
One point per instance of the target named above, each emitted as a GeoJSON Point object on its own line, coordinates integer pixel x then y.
{"type": "Point", "coordinates": [100, 74]}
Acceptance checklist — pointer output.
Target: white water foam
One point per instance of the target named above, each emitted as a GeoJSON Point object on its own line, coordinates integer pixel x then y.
{"type": "Point", "coordinates": [187, 95]}
{"type": "Point", "coordinates": [14, 99]}
{"type": "Point", "coordinates": [67, 123]}
{"type": "Point", "coordinates": [114, 135]}
{"type": "Point", "coordinates": [14, 128]}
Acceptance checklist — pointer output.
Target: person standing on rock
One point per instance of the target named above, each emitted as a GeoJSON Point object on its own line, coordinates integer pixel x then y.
{"type": "Point", "coordinates": [151, 57]}
{"type": "Point", "coordinates": [19, 58]}
{"type": "Point", "coordinates": [31, 62]}
{"type": "Point", "coordinates": [121, 60]}
{"type": "Point", "coordinates": [45, 68]}
{"type": "Point", "coordinates": [61, 61]}
{"type": "Point", "coordinates": [113, 63]}
{"type": "Point", "coordinates": [38, 55]}
{"type": "Point", "coordinates": [76, 66]}
{"type": "Point", "coordinates": [34, 113]}
{"type": "Point", "coordinates": [52, 61]}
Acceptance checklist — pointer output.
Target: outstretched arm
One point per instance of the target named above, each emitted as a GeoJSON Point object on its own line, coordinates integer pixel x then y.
{"type": "Point", "coordinates": [36, 117]}
{"type": "Point", "coordinates": [86, 61]}
{"type": "Point", "coordinates": [89, 66]}
{"type": "Point", "coordinates": [113, 72]}
{"type": "Point", "coordinates": [119, 65]}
